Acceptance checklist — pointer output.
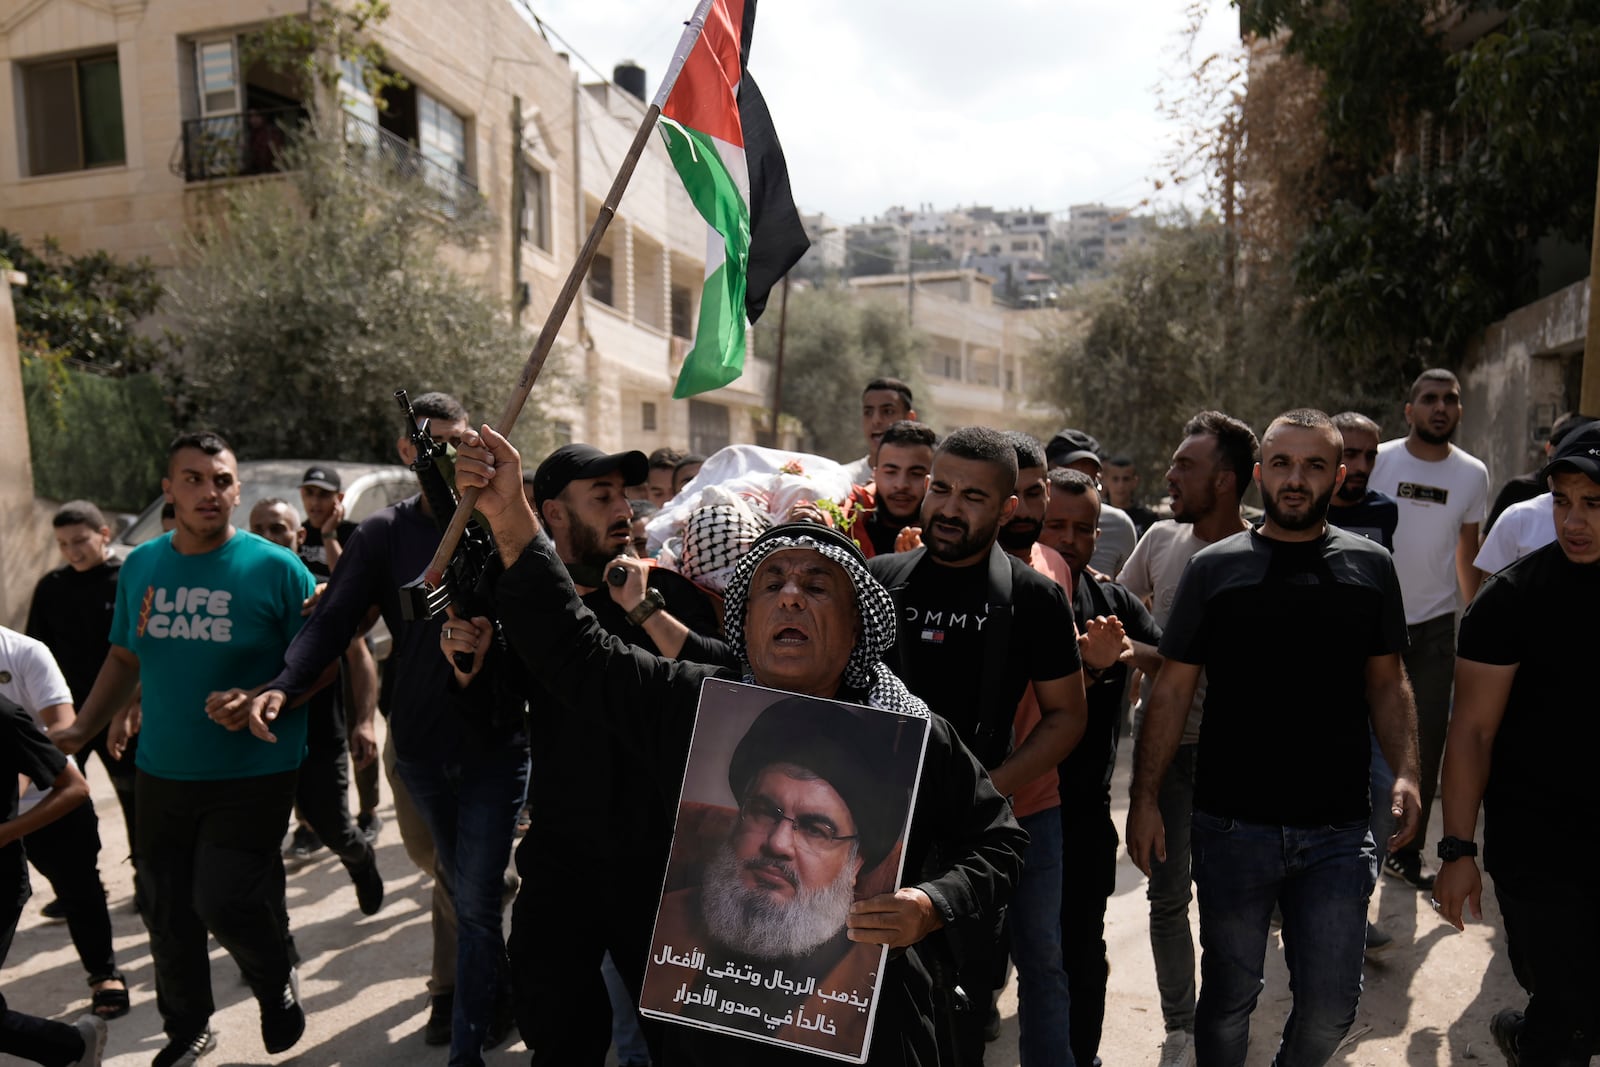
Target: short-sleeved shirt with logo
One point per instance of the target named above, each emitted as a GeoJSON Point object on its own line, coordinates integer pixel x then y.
{"type": "Point", "coordinates": [205, 623]}
{"type": "Point", "coordinates": [1284, 630]}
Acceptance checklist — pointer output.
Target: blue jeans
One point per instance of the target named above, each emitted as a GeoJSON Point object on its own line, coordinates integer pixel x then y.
{"type": "Point", "coordinates": [1381, 782]}
{"type": "Point", "coordinates": [1043, 1006]}
{"type": "Point", "coordinates": [626, 1037]}
{"type": "Point", "coordinates": [1169, 893]}
{"type": "Point", "coordinates": [471, 810]}
{"type": "Point", "coordinates": [1321, 877]}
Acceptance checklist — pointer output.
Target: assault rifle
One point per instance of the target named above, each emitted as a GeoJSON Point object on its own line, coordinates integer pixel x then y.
{"type": "Point", "coordinates": [473, 555]}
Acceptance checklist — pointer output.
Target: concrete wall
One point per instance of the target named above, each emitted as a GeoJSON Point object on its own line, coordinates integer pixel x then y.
{"type": "Point", "coordinates": [1518, 377]}
{"type": "Point", "coordinates": [27, 548]}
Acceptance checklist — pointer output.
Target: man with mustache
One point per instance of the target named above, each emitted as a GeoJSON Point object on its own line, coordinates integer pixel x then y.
{"type": "Point", "coordinates": [805, 617]}
{"type": "Point", "coordinates": [892, 510]}
{"type": "Point", "coordinates": [1356, 506]}
{"type": "Point", "coordinates": [565, 1013]}
{"type": "Point", "coordinates": [1281, 806]}
{"type": "Point", "coordinates": [821, 803]}
{"type": "Point", "coordinates": [1209, 473]}
{"type": "Point", "coordinates": [1443, 494]}
{"type": "Point", "coordinates": [977, 626]}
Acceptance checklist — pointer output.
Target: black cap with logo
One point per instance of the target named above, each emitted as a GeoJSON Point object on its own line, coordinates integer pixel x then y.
{"type": "Point", "coordinates": [1069, 446]}
{"type": "Point", "coordinates": [571, 463]}
{"type": "Point", "coordinates": [1579, 451]}
{"type": "Point", "coordinates": [322, 478]}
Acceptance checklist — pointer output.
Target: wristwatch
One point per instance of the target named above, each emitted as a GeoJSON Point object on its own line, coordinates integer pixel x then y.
{"type": "Point", "coordinates": [653, 602]}
{"type": "Point", "coordinates": [1453, 848]}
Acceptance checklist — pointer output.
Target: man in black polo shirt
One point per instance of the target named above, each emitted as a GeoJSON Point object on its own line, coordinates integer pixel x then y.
{"type": "Point", "coordinates": [1522, 740]}
{"type": "Point", "coordinates": [1299, 627]}
{"type": "Point", "coordinates": [1089, 854]}
{"type": "Point", "coordinates": [976, 625]}
{"type": "Point", "coordinates": [562, 1005]}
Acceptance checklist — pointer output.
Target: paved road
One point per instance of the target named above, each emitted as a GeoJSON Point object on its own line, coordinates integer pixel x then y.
{"type": "Point", "coordinates": [362, 978]}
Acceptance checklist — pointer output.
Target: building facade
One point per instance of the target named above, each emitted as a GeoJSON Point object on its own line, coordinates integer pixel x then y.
{"type": "Point", "coordinates": [132, 115]}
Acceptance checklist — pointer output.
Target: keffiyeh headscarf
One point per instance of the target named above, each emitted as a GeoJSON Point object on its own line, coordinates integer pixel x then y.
{"type": "Point", "coordinates": [865, 670]}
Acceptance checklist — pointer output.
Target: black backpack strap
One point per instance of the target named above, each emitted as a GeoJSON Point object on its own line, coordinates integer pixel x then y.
{"type": "Point", "coordinates": [994, 721]}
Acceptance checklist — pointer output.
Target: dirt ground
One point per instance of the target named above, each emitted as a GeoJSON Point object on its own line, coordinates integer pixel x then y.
{"type": "Point", "coordinates": [1428, 1004]}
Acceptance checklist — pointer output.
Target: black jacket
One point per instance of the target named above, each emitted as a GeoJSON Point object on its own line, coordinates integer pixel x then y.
{"type": "Point", "coordinates": [963, 839]}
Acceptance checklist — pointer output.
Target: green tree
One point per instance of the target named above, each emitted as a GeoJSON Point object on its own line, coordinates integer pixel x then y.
{"type": "Point", "coordinates": [85, 308]}
{"type": "Point", "coordinates": [1445, 178]}
{"type": "Point", "coordinates": [307, 301]}
{"type": "Point", "coordinates": [835, 343]}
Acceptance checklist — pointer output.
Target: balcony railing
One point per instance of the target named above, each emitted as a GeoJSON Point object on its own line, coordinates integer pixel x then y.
{"type": "Point", "coordinates": [377, 147]}
{"type": "Point", "coordinates": [228, 146]}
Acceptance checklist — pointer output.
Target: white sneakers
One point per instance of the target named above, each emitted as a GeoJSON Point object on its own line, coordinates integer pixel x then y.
{"type": "Point", "coordinates": [1178, 1049]}
{"type": "Point", "coordinates": [92, 1029]}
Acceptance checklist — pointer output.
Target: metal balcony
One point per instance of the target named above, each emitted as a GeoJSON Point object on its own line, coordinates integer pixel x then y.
{"type": "Point", "coordinates": [372, 145]}
{"type": "Point", "coordinates": [227, 146]}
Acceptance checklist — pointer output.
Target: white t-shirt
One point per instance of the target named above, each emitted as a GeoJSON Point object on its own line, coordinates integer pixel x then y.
{"type": "Point", "coordinates": [1436, 498]}
{"type": "Point", "coordinates": [860, 471]}
{"type": "Point", "coordinates": [1524, 527]}
{"type": "Point", "coordinates": [29, 677]}
{"type": "Point", "coordinates": [1118, 535]}
{"type": "Point", "coordinates": [1153, 571]}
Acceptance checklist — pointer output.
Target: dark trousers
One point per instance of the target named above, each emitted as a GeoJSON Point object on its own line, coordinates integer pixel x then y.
{"type": "Point", "coordinates": [1431, 663]}
{"type": "Point", "coordinates": [1089, 859]}
{"type": "Point", "coordinates": [323, 793]}
{"type": "Point", "coordinates": [27, 1036]}
{"type": "Point", "coordinates": [1553, 934]}
{"type": "Point", "coordinates": [121, 771]}
{"type": "Point", "coordinates": [208, 852]}
{"type": "Point", "coordinates": [558, 940]}
{"type": "Point", "coordinates": [65, 852]}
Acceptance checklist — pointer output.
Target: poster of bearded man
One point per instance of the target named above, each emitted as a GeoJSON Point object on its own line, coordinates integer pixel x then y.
{"type": "Point", "coordinates": [793, 809]}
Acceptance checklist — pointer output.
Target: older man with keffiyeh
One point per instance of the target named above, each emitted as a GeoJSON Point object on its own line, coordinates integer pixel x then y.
{"type": "Point", "coordinates": [806, 617]}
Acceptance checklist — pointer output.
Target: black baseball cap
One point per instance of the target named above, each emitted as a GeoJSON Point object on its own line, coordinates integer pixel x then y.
{"type": "Point", "coordinates": [323, 478]}
{"type": "Point", "coordinates": [1071, 445]}
{"type": "Point", "coordinates": [1579, 451]}
{"type": "Point", "coordinates": [571, 463]}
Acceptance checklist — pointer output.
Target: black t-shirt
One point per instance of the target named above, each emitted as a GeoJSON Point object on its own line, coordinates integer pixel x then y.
{"type": "Point", "coordinates": [71, 613]}
{"type": "Point", "coordinates": [315, 553]}
{"type": "Point", "coordinates": [1086, 772]}
{"type": "Point", "coordinates": [24, 749]}
{"type": "Point", "coordinates": [1375, 517]}
{"type": "Point", "coordinates": [1284, 630]}
{"type": "Point", "coordinates": [944, 615]}
{"type": "Point", "coordinates": [1539, 613]}
{"type": "Point", "coordinates": [883, 529]}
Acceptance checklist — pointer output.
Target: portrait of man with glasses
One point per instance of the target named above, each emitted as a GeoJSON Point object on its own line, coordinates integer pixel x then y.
{"type": "Point", "coordinates": [751, 935]}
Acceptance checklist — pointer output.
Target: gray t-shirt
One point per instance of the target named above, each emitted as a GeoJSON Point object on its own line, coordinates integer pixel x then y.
{"type": "Point", "coordinates": [1118, 535]}
{"type": "Point", "coordinates": [1153, 571]}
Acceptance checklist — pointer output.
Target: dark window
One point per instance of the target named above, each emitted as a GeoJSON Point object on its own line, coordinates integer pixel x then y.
{"type": "Point", "coordinates": [682, 309]}
{"type": "Point", "coordinates": [535, 207]}
{"type": "Point", "coordinates": [74, 114]}
{"type": "Point", "coordinates": [647, 416]}
{"type": "Point", "coordinates": [708, 427]}
{"type": "Point", "coordinates": [600, 280]}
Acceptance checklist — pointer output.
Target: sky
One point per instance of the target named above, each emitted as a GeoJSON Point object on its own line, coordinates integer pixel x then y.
{"type": "Point", "coordinates": [1010, 103]}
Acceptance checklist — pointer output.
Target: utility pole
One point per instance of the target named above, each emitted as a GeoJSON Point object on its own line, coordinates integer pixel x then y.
{"type": "Point", "coordinates": [777, 369]}
{"type": "Point", "coordinates": [516, 212]}
{"type": "Point", "coordinates": [1589, 394]}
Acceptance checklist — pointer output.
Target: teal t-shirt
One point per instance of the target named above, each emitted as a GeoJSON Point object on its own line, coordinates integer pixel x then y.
{"type": "Point", "coordinates": [202, 624]}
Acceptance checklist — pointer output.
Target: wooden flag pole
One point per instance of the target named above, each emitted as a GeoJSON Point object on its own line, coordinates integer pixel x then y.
{"type": "Point", "coordinates": [434, 575]}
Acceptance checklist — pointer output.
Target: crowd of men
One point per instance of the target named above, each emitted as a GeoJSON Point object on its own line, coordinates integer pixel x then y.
{"type": "Point", "coordinates": [1297, 686]}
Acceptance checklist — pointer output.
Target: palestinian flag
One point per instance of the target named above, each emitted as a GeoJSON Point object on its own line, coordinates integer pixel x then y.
{"type": "Point", "coordinates": [721, 140]}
